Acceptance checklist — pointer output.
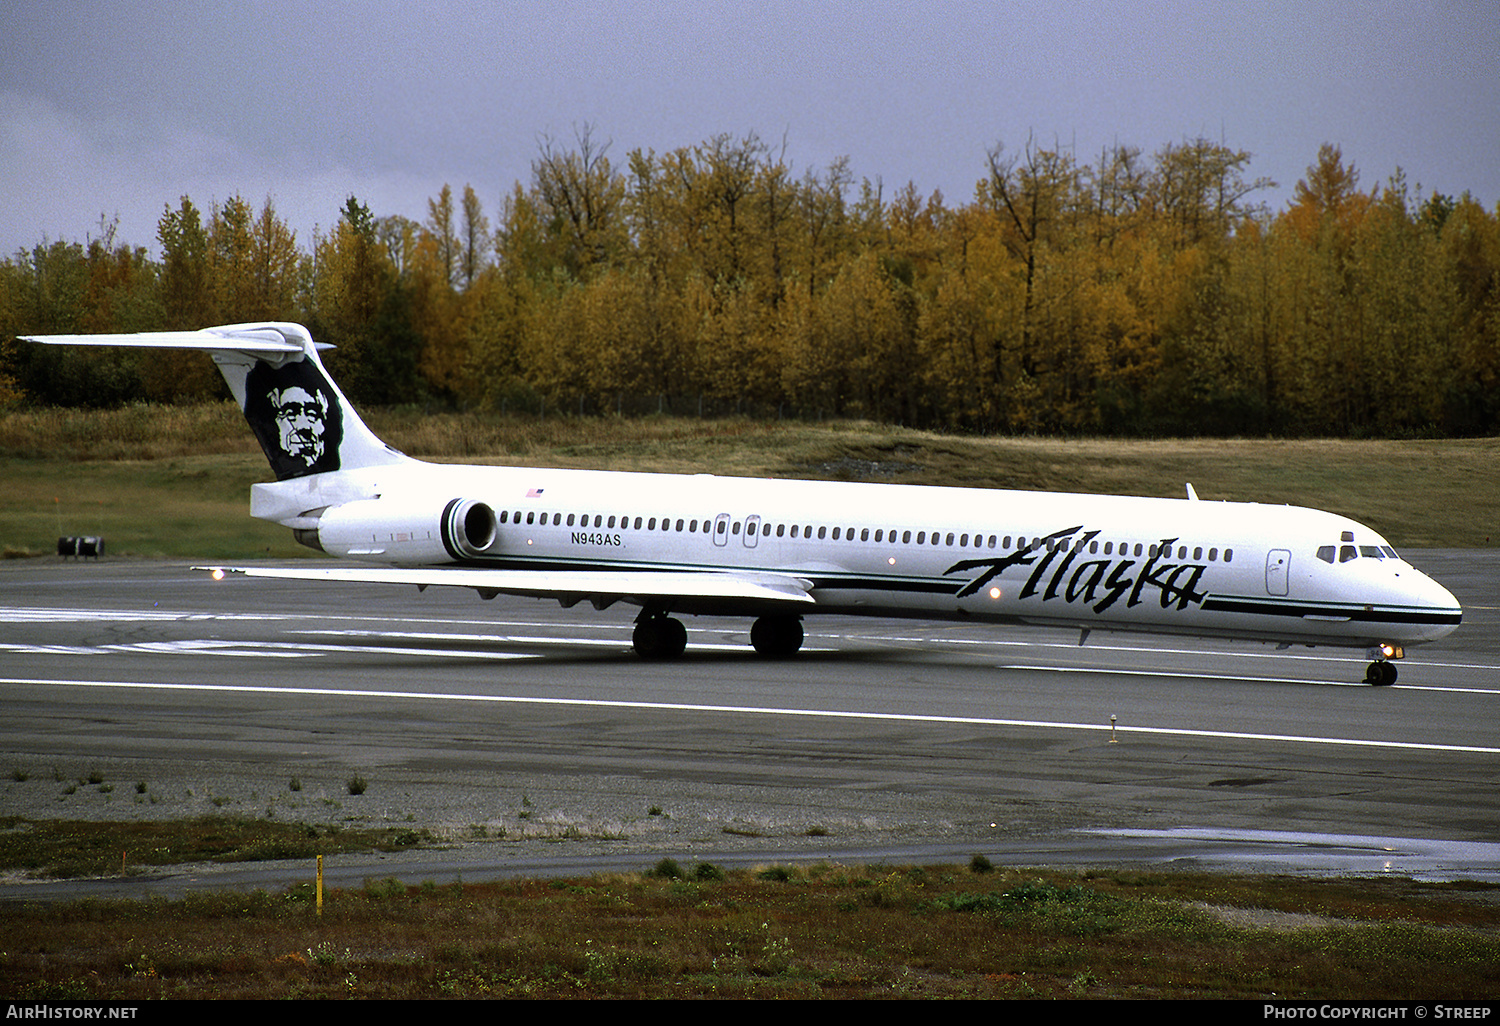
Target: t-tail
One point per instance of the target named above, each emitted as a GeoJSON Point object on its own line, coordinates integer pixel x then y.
{"type": "Point", "coordinates": [303, 422]}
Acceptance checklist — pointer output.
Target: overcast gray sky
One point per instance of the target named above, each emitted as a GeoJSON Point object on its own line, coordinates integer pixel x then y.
{"type": "Point", "coordinates": [109, 107]}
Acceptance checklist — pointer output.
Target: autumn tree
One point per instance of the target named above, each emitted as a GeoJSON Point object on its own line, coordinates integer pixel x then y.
{"type": "Point", "coordinates": [441, 285]}
{"type": "Point", "coordinates": [357, 307]}
{"type": "Point", "coordinates": [62, 288]}
{"type": "Point", "coordinates": [1469, 244]}
{"type": "Point", "coordinates": [821, 210]}
{"type": "Point", "coordinates": [1199, 187]}
{"type": "Point", "coordinates": [231, 276]}
{"type": "Point", "coordinates": [475, 238]}
{"type": "Point", "coordinates": [580, 198]}
{"type": "Point", "coordinates": [187, 297]}
{"type": "Point", "coordinates": [440, 237]}
{"type": "Point", "coordinates": [1029, 196]}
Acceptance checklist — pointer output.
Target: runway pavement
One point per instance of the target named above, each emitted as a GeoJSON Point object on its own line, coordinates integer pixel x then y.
{"type": "Point", "coordinates": [538, 743]}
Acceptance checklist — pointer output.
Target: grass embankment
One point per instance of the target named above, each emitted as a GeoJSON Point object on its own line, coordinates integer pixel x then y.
{"type": "Point", "coordinates": [824, 931]}
{"type": "Point", "coordinates": [62, 849]}
{"type": "Point", "coordinates": [175, 481]}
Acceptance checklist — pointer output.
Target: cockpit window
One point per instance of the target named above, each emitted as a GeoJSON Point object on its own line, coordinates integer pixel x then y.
{"type": "Point", "coordinates": [1345, 553]}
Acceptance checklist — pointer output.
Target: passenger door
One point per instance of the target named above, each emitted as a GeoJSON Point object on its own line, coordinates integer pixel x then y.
{"type": "Point", "coordinates": [1278, 571]}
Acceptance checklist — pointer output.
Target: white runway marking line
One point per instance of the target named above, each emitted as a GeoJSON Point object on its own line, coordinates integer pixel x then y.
{"type": "Point", "coordinates": [1122, 671]}
{"type": "Point", "coordinates": [514, 639]}
{"type": "Point", "coordinates": [255, 650]}
{"type": "Point", "coordinates": [241, 649]}
{"type": "Point", "coordinates": [831, 714]}
{"type": "Point", "coordinates": [489, 639]}
{"type": "Point", "coordinates": [1329, 655]}
{"type": "Point", "coordinates": [25, 614]}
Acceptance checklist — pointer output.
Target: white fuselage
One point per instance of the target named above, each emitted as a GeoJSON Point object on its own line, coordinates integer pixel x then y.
{"type": "Point", "coordinates": [1226, 569]}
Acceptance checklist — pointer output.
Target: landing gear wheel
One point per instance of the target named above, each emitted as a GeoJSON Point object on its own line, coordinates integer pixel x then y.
{"type": "Point", "coordinates": [659, 637]}
{"type": "Point", "coordinates": [1380, 674]}
{"type": "Point", "coordinates": [776, 637]}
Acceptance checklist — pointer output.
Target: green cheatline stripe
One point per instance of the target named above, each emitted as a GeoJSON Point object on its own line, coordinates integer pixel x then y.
{"type": "Point", "coordinates": [1333, 610]}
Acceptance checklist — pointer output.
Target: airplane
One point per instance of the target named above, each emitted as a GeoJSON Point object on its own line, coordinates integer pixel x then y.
{"type": "Point", "coordinates": [776, 551]}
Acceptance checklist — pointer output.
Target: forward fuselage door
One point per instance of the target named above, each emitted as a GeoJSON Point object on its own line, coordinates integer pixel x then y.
{"type": "Point", "coordinates": [1278, 571]}
{"type": "Point", "coordinates": [752, 530]}
{"type": "Point", "coordinates": [721, 530]}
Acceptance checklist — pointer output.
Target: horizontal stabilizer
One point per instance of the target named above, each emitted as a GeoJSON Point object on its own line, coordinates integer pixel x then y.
{"type": "Point", "coordinates": [244, 338]}
{"type": "Point", "coordinates": [567, 585]}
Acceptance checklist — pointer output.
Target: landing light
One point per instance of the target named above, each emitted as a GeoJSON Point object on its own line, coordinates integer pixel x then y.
{"type": "Point", "coordinates": [891, 560]}
{"type": "Point", "coordinates": [994, 593]}
{"type": "Point", "coordinates": [218, 574]}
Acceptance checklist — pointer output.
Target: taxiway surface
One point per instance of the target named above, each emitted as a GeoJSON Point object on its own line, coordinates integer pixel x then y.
{"type": "Point", "coordinates": [537, 742]}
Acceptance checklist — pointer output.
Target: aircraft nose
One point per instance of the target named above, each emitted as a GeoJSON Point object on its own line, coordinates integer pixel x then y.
{"type": "Point", "coordinates": [1436, 613]}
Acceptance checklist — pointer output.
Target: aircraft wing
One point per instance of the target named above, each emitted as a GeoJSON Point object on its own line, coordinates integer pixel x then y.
{"type": "Point", "coordinates": [601, 587]}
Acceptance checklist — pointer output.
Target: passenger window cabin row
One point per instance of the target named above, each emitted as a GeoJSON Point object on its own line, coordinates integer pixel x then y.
{"type": "Point", "coordinates": [879, 535]}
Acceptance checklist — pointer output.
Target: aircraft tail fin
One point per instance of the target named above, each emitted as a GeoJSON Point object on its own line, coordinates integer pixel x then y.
{"type": "Point", "coordinates": [303, 422]}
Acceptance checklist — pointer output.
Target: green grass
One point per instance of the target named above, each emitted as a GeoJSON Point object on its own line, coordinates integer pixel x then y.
{"type": "Point", "coordinates": [64, 849]}
{"type": "Point", "coordinates": [802, 932]}
{"type": "Point", "coordinates": [195, 507]}
{"type": "Point", "coordinates": [175, 481]}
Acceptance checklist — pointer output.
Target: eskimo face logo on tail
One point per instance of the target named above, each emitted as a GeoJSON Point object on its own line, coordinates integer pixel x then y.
{"type": "Point", "coordinates": [295, 416]}
{"type": "Point", "coordinates": [301, 422]}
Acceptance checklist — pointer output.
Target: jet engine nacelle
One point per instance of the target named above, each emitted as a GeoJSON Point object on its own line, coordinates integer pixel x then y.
{"type": "Point", "coordinates": [400, 531]}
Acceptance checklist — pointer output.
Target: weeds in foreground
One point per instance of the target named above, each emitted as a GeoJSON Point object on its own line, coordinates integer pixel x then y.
{"type": "Point", "coordinates": [821, 931]}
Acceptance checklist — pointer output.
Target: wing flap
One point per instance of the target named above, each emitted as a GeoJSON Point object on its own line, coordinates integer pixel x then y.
{"type": "Point", "coordinates": [570, 585]}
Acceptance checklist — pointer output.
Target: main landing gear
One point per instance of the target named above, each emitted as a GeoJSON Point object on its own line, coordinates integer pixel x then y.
{"type": "Point", "coordinates": [776, 637]}
{"type": "Point", "coordinates": [658, 636]}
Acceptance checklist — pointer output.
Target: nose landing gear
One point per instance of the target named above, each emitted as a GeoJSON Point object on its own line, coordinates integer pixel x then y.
{"type": "Point", "coordinates": [1381, 673]}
